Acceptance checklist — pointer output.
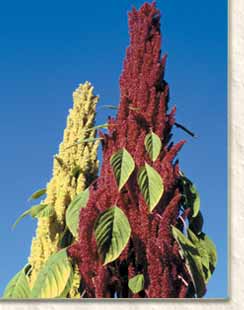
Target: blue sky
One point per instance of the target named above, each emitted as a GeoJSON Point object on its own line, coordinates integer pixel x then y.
{"type": "Point", "coordinates": [49, 47]}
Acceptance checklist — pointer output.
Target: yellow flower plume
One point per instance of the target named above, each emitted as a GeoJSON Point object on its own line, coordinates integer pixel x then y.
{"type": "Point", "coordinates": [74, 168]}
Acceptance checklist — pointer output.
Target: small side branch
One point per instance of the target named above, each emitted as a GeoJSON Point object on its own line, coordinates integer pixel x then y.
{"type": "Point", "coordinates": [186, 130]}
{"type": "Point", "coordinates": [183, 280]}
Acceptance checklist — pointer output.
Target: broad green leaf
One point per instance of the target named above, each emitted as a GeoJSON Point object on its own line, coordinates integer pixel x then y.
{"type": "Point", "coordinates": [123, 165]}
{"type": "Point", "coordinates": [201, 249]}
{"type": "Point", "coordinates": [33, 211]}
{"type": "Point", "coordinates": [38, 194]}
{"type": "Point", "coordinates": [196, 223]}
{"type": "Point", "coordinates": [181, 238]}
{"type": "Point", "coordinates": [73, 211]}
{"type": "Point", "coordinates": [98, 127]}
{"type": "Point", "coordinates": [192, 198]}
{"type": "Point", "coordinates": [151, 185]}
{"type": "Point", "coordinates": [203, 252]}
{"type": "Point", "coordinates": [53, 277]}
{"type": "Point", "coordinates": [18, 287]}
{"type": "Point", "coordinates": [68, 286]}
{"type": "Point", "coordinates": [210, 247]}
{"type": "Point", "coordinates": [196, 271]}
{"type": "Point", "coordinates": [193, 261]}
{"type": "Point", "coordinates": [112, 233]}
{"type": "Point", "coordinates": [153, 145]}
{"type": "Point", "coordinates": [136, 284]}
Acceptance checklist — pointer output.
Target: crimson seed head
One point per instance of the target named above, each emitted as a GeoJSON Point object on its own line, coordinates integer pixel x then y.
{"type": "Point", "coordinates": [144, 96]}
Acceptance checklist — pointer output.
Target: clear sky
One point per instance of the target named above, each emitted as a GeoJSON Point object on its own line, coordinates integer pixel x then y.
{"type": "Point", "coordinates": [49, 47]}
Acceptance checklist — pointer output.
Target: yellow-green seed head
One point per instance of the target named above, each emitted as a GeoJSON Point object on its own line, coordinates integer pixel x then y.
{"type": "Point", "coordinates": [65, 184]}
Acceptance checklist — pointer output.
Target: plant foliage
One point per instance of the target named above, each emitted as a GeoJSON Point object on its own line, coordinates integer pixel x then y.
{"type": "Point", "coordinates": [136, 284]}
{"type": "Point", "coordinates": [151, 185]}
{"type": "Point", "coordinates": [153, 145]}
{"type": "Point", "coordinates": [112, 232]}
{"type": "Point", "coordinates": [18, 287]}
{"type": "Point", "coordinates": [53, 278]}
{"type": "Point", "coordinates": [42, 210]}
{"type": "Point", "coordinates": [123, 166]}
{"type": "Point", "coordinates": [73, 211]}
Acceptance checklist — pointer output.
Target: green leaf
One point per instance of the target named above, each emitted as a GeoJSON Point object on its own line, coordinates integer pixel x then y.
{"type": "Point", "coordinates": [97, 127]}
{"type": "Point", "coordinates": [151, 185]}
{"type": "Point", "coordinates": [18, 287]}
{"type": "Point", "coordinates": [86, 140]}
{"type": "Point", "coordinates": [196, 203]}
{"type": "Point", "coordinates": [38, 194]}
{"type": "Point", "coordinates": [89, 140]}
{"type": "Point", "coordinates": [23, 215]}
{"type": "Point", "coordinates": [123, 165]}
{"type": "Point", "coordinates": [112, 232]}
{"type": "Point", "coordinates": [210, 247]}
{"type": "Point", "coordinates": [153, 145]}
{"type": "Point", "coordinates": [197, 274]}
{"type": "Point", "coordinates": [33, 211]}
{"type": "Point", "coordinates": [53, 277]}
{"type": "Point", "coordinates": [73, 211]}
{"type": "Point", "coordinates": [110, 106]}
{"type": "Point", "coordinates": [76, 171]}
{"type": "Point", "coordinates": [114, 107]}
{"type": "Point", "coordinates": [207, 252]}
{"type": "Point", "coordinates": [136, 284]}
{"type": "Point", "coordinates": [201, 249]}
{"type": "Point", "coordinates": [192, 198]}
{"type": "Point", "coordinates": [68, 286]}
{"type": "Point", "coordinates": [46, 212]}
{"type": "Point", "coordinates": [66, 238]}
{"type": "Point", "coordinates": [193, 261]}
{"type": "Point", "coordinates": [196, 223]}
{"type": "Point", "coordinates": [59, 160]}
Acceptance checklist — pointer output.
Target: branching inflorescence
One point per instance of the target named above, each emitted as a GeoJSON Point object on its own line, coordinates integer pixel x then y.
{"type": "Point", "coordinates": [151, 250]}
{"type": "Point", "coordinates": [136, 229]}
{"type": "Point", "coordinates": [75, 167]}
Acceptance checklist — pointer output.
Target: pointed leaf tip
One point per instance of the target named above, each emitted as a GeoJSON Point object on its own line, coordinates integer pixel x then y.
{"type": "Point", "coordinates": [41, 210]}
{"type": "Point", "coordinates": [73, 211]}
{"type": "Point", "coordinates": [37, 194]}
{"type": "Point", "coordinates": [123, 165]}
{"type": "Point", "coordinates": [98, 127]}
{"type": "Point", "coordinates": [153, 145]}
{"type": "Point", "coordinates": [136, 284]}
{"type": "Point", "coordinates": [151, 185]}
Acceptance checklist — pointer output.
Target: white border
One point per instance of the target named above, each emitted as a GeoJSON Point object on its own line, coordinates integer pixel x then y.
{"type": "Point", "coordinates": [236, 200]}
